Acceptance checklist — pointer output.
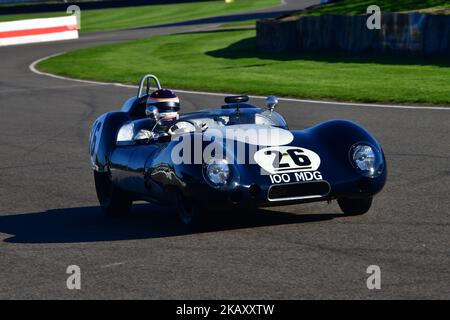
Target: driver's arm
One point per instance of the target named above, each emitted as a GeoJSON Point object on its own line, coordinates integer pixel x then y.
{"type": "Point", "coordinates": [144, 134]}
{"type": "Point", "coordinates": [186, 126]}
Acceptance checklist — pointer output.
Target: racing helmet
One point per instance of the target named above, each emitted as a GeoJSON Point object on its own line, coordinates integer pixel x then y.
{"type": "Point", "coordinates": [166, 102]}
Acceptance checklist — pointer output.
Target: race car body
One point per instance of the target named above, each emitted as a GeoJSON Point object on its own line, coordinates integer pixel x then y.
{"type": "Point", "coordinates": [235, 156]}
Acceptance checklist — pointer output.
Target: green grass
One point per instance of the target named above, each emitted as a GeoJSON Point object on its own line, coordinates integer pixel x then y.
{"type": "Point", "coordinates": [227, 61]}
{"type": "Point", "coordinates": [140, 16]}
{"type": "Point", "coordinates": [357, 7]}
{"type": "Point", "coordinates": [243, 23]}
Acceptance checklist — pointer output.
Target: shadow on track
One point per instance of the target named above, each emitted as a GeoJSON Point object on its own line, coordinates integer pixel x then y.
{"type": "Point", "coordinates": [87, 224]}
{"type": "Point", "coordinates": [239, 17]}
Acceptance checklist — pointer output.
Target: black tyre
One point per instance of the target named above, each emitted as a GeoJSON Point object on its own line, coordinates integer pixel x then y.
{"type": "Point", "coordinates": [113, 201]}
{"type": "Point", "coordinates": [189, 213]}
{"type": "Point", "coordinates": [355, 207]}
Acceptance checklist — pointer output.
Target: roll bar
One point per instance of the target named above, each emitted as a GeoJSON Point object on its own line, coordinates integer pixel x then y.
{"type": "Point", "coordinates": [145, 82]}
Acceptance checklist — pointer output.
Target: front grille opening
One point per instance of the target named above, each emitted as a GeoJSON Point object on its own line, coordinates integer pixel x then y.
{"type": "Point", "coordinates": [298, 191]}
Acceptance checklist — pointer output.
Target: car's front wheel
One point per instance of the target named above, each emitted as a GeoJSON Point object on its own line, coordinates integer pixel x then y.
{"type": "Point", "coordinates": [355, 207]}
{"type": "Point", "coordinates": [188, 212]}
{"type": "Point", "coordinates": [113, 201]}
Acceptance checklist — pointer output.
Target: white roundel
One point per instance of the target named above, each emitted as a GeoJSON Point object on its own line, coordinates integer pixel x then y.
{"type": "Point", "coordinates": [285, 159]}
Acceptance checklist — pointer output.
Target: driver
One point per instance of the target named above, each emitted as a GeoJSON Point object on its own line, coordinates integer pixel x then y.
{"type": "Point", "coordinates": [166, 102]}
{"type": "Point", "coordinates": [162, 107]}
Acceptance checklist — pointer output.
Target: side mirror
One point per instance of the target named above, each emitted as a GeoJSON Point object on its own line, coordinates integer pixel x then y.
{"type": "Point", "coordinates": [271, 103]}
{"type": "Point", "coordinates": [152, 113]}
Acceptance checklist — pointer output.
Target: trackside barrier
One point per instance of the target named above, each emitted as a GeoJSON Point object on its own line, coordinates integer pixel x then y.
{"type": "Point", "coordinates": [38, 30]}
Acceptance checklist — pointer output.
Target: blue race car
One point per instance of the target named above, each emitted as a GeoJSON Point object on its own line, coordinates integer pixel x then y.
{"type": "Point", "coordinates": [231, 157]}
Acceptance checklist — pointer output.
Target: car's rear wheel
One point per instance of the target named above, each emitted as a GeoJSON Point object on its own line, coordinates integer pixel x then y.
{"type": "Point", "coordinates": [113, 201]}
{"type": "Point", "coordinates": [189, 213]}
{"type": "Point", "coordinates": [355, 207]}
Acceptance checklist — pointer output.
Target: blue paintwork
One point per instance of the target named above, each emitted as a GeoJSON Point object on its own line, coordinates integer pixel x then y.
{"type": "Point", "coordinates": [146, 170]}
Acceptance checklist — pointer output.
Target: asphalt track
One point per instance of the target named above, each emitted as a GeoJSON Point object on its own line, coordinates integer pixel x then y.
{"type": "Point", "coordinates": [49, 216]}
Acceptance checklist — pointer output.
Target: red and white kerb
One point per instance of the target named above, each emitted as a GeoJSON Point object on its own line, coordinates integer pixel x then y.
{"type": "Point", "coordinates": [38, 30]}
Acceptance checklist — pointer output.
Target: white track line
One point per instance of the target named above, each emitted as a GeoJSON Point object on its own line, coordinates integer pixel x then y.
{"type": "Point", "coordinates": [33, 69]}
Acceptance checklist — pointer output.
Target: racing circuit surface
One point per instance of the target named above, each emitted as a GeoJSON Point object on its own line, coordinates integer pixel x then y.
{"type": "Point", "coordinates": [50, 218]}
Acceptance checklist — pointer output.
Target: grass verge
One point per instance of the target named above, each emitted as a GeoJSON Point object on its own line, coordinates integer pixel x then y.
{"type": "Point", "coordinates": [227, 61]}
{"type": "Point", "coordinates": [140, 16]}
{"type": "Point", "coordinates": [243, 23]}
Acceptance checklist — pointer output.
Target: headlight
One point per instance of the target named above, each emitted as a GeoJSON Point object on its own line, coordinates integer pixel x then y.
{"type": "Point", "coordinates": [218, 172]}
{"type": "Point", "coordinates": [367, 160]}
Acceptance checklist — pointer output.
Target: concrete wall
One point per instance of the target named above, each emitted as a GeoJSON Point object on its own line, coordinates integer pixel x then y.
{"type": "Point", "coordinates": [404, 34]}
